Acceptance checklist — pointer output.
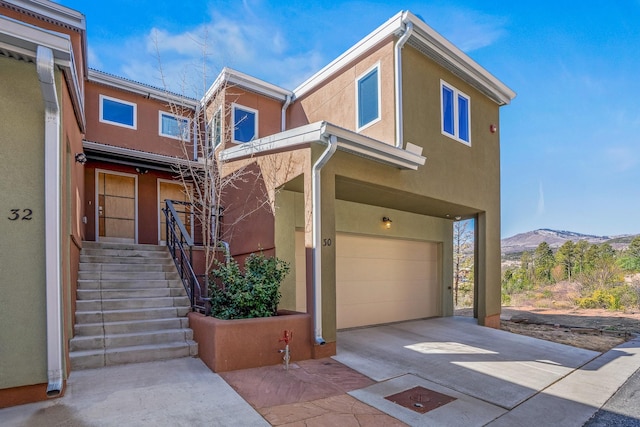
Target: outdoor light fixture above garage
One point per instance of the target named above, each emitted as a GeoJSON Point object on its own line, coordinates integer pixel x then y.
{"type": "Point", "coordinates": [386, 221]}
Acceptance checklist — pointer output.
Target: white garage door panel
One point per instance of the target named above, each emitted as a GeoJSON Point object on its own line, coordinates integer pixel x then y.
{"type": "Point", "coordinates": [382, 280]}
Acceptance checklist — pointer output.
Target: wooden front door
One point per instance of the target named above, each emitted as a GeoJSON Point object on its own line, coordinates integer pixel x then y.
{"type": "Point", "coordinates": [172, 191]}
{"type": "Point", "coordinates": [116, 207]}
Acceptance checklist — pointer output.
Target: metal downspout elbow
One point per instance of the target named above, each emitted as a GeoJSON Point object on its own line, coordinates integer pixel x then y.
{"type": "Point", "coordinates": [398, 81]}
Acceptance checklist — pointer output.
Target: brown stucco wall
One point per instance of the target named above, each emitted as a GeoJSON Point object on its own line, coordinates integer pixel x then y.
{"type": "Point", "coordinates": [145, 137]}
{"type": "Point", "coordinates": [147, 198]}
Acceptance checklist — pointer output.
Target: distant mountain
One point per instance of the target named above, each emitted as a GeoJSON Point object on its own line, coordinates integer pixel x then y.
{"type": "Point", "coordinates": [529, 241]}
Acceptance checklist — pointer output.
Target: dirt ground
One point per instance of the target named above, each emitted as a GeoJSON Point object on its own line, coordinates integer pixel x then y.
{"type": "Point", "coordinates": [592, 329]}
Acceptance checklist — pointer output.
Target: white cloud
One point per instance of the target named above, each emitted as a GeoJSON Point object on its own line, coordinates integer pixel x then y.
{"type": "Point", "coordinates": [468, 29]}
{"type": "Point", "coordinates": [621, 158]}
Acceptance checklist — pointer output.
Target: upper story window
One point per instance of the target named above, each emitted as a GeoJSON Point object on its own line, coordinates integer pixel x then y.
{"type": "Point", "coordinates": [245, 123]}
{"type": "Point", "coordinates": [456, 113]}
{"type": "Point", "coordinates": [215, 131]}
{"type": "Point", "coordinates": [172, 126]}
{"type": "Point", "coordinates": [118, 112]}
{"type": "Point", "coordinates": [368, 97]}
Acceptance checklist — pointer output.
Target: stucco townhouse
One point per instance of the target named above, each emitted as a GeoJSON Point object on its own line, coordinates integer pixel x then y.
{"type": "Point", "coordinates": [366, 165]}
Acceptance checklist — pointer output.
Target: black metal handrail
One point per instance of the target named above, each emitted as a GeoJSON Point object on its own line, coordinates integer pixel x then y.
{"type": "Point", "coordinates": [180, 244]}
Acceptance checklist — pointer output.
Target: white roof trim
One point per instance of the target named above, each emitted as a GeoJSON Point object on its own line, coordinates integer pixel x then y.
{"type": "Point", "coordinates": [21, 40]}
{"type": "Point", "coordinates": [320, 132]}
{"type": "Point", "coordinates": [51, 10]}
{"type": "Point", "coordinates": [96, 76]}
{"type": "Point", "coordinates": [237, 78]}
{"type": "Point", "coordinates": [139, 155]}
{"type": "Point", "coordinates": [429, 40]}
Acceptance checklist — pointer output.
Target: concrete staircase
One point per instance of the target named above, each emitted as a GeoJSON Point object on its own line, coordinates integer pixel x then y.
{"type": "Point", "coordinates": [131, 307]}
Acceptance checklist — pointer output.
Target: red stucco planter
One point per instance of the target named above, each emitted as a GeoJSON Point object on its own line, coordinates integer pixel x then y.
{"type": "Point", "coordinates": [227, 345]}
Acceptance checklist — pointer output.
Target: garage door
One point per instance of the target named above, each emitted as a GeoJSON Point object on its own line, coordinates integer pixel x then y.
{"type": "Point", "coordinates": [381, 280]}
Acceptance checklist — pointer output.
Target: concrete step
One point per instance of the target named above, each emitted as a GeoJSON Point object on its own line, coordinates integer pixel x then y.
{"type": "Point", "coordinates": [124, 284]}
{"type": "Point", "coordinates": [122, 246]}
{"type": "Point", "coordinates": [125, 259]}
{"type": "Point", "coordinates": [126, 315]}
{"type": "Point", "coordinates": [89, 359]}
{"type": "Point", "coordinates": [129, 267]}
{"type": "Point", "coordinates": [130, 303]}
{"type": "Point", "coordinates": [97, 342]}
{"type": "Point", "coordinates": [93, 294]}
{"type": "Point", "coordinates": [128, 275]}
{"type": "Point", "coordinates": [139, 253]}
{"type": "Point", "coordinates": [127, 327]}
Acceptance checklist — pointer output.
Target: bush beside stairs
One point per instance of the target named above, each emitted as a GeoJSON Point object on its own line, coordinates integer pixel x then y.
{"type": "Point", "coordinates": [131, 307]}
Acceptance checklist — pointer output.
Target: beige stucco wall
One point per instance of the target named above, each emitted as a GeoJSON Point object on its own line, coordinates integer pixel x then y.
{"type": "Point", "coordinates": [465, 175]}
{"type": "Point", "coordinates": [335, 100]}
{"type": "Point", "coordinates": [361, 219]}
{"type": "Point", "coordinates": [22, 267]}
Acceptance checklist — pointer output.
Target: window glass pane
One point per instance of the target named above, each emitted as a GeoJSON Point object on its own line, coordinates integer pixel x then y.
{"type": "Point", "coordinates": [217, 129]}
{"type": "Point", "coordinates": [463, 118]}
{"type": "Point", "coordinates": [244, 125]}
{"type": "Point", "coordinates": [172, 126]}
{"type": "Point", "coordinates": [447, 111]}
{"type": "Point", "coordinates": [368, 98]}
{"type": "Point", "coordinates": [117, 112]}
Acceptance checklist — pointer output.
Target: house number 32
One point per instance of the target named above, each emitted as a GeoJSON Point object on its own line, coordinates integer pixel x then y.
{"type": "Point", "coordinates": [20, 214]}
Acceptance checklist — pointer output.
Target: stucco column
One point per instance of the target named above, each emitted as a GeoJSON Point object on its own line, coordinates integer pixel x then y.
{"type": "Point", "coordinates": [328, 249]}
{"type": "Point", "coordinates": [487, 274]}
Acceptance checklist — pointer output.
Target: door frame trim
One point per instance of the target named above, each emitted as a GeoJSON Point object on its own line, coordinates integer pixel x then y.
{"type": "Point", "coordinates": [97, 201]}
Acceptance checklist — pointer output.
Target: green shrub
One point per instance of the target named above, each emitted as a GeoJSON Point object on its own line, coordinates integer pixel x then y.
{"type": "Point", "coordinates": [252, 293]}
{"type": "Point", "coordinates": [614, 298]}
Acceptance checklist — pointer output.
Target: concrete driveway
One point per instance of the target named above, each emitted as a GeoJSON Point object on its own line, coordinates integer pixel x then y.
{"type": "Point", "coordinates": [496, 377]}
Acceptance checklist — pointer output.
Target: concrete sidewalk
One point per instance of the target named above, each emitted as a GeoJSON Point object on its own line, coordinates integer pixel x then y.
{"type": "Point", "coordinates": [179, 392]}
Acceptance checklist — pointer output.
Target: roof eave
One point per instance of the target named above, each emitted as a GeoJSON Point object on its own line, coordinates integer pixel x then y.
{"type": "Point", "coordinates": [21, 40]}
{"type": "Point", "coordinates": [320, 132]}
{"type": "Point", "coordinates": [237, 78]}
{"type": "Point", "coordinates": [151, 92]}
{"type": "Point", "coordinates": [128, 153]}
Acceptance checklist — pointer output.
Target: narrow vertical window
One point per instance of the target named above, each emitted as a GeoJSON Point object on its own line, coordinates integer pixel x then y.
{"type": "Point", "coordinates": [215, 129]}
{"type": "Point", "coordinates": [456, 113]}
{"type": "Point", "coordinates": [368, 97]}
{"type": "Point", "coordinates": [245, 124]}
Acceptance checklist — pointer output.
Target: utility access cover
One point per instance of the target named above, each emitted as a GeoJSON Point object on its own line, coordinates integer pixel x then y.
{"type": "Point", "coordinates": [420, 399]}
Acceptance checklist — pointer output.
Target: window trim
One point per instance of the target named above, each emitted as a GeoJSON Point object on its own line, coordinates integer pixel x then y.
{"type": "Point", "coordinates": [186, 137]}
{"type": "Point", "coordinates": [121, 101]}
{"type": "Point", "coordinates": [212, 145]}
{"type": "Point", "coordinates": [456, 113]}
{"type": "Point", "coordinates": [378, 117]}
{"type": "Point", "coordinates": [235, 106]}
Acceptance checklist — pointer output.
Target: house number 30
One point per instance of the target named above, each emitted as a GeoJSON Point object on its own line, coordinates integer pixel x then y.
{"type": "Point", "coordinates": [20, 214]}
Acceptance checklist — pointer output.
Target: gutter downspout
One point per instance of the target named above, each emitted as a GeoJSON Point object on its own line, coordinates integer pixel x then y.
{"type": "Point", "coordinates": [46, 75]}
{"type": "Point", "coordinates": [398, 80]}
{"type": "Point", "coordinates": [287, 102]}
{"type": "Point", "coordinates": [332, 145]}
{"type": "Point", "coordinates": [196, 123]}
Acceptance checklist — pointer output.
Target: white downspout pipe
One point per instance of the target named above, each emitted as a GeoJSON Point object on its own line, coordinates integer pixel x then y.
{"type": "Point", "coordinates": [287, 102]}
{"type": "Point", "coordinates": [332, 145]}
{"type": "Point", "coordinates": [398, 81]}
{"type": "Point", "coordinates": [195, 137]}
{"type": "Point", "coordinates": [46, 75]}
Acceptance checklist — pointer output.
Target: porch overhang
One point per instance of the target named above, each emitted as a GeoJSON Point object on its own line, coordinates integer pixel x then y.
{"type": "Point", "coordinates": [136, 158]}
{"type": "Point", "coordinates": [320, 132]}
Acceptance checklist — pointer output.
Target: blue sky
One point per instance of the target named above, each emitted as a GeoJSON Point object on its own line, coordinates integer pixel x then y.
{"type": "Point", "coordinates": [570, 140]}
